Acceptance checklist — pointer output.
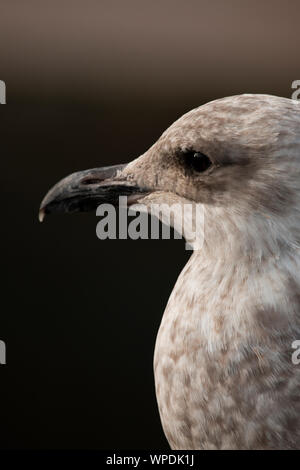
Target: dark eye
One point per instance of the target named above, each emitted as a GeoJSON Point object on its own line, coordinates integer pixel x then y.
{"type": "Point", "coordinates": [197, 160]}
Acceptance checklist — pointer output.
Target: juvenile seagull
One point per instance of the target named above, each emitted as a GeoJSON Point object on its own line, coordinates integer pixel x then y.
{"type": "Point", "coordinates": [223, 358]}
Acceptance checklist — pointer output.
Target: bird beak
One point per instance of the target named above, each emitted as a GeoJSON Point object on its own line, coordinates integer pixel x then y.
{"type": "Point", "coordinates": [85, 190]}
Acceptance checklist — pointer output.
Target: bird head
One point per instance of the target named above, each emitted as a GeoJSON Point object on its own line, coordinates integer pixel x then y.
{"type": "Point", "coordinates": [238, 155]}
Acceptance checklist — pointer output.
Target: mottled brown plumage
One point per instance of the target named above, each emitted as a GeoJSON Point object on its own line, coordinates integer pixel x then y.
{"type": "Point", "coordinates": [223, 358]}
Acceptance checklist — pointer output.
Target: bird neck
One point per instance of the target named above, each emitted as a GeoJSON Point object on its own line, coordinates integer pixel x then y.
{"type": "Point", "coordinates": [244, 276]}
{"type": "Point", "coordinates": [250, 238]}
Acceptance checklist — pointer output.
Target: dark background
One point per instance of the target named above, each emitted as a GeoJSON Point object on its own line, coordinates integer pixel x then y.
{"type": "Point", "coordinates": [92, 83]}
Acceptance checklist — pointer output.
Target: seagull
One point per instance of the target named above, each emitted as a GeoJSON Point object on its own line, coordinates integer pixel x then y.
{"type": "Point", "coordinates": [224, 374]}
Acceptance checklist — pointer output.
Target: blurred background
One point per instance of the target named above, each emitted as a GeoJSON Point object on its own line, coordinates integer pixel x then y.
{"type": "Point", "coordinates": [92, 83]}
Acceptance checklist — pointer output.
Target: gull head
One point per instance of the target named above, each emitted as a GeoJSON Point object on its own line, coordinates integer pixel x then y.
{"type": "Point", "coordinates": [239, 157]}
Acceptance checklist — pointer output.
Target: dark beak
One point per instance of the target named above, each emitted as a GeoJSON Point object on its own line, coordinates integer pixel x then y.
{"type": "Point", "coordinates": [85, 190]}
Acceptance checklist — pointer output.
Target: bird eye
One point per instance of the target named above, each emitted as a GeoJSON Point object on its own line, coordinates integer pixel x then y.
{"type": "Point", "coordinates": [197, 160]}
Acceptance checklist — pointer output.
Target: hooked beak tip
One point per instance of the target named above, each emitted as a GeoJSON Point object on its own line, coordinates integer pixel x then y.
{"type": "Point", "coordinates": [42, 214]}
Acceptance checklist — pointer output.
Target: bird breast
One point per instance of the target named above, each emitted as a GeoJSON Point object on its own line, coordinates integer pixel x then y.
{"type": "Point", "coordinates": [223, 371]}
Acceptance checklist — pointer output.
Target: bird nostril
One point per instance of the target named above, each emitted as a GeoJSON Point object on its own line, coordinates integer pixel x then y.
{"type": "Point", "coordinates": [88, 181]}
